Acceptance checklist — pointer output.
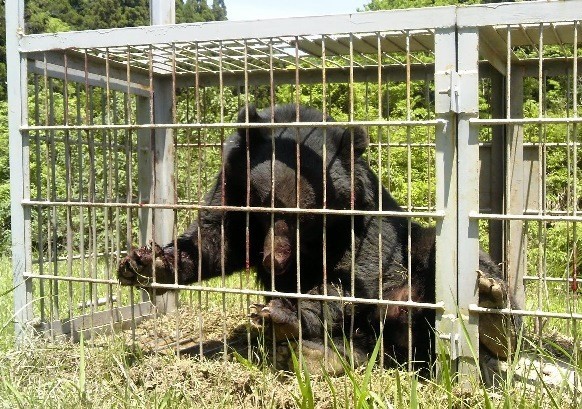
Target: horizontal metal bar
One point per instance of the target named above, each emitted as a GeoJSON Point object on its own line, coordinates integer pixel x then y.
{"type": "Point", "coordinates": [347, 124]}
{"type": "Point", "coordinates": [540, 144]}
{"type": "Point", "coordinates": [71, 279]}
{"type": "Point", "coordinates": [93, 71]}
{"type": "Point", "coordinates": [532, 217]}
{"type": "Point", "coordinates": [524, 121]}
{"type": "Point", "coordinates": [525, 313]}
{"type": "Point", "coordinates": [139, 84]}
{"type": "Point", "coordinates": [93, 80]}
{"type": "Point", "coordinates": [257, 209]}
{"type": "Point", "coordinates": [368, 22]}
{"type": "Point", "coordinates": [86, 256]}
{"type": "Point", "coordinates": [552, 279]}
{"type": "Point", "coordinates": [381, 145]}
{"type": "Point", "coordinates": [531, 12]}
{"type": "Point", "coordinates": [244, 291]}
{"type": "Point", "coordinates": [98, 303]}
{"type": "Point", "coordinates": [99, 321]}
{"type": "Point", "coordinates": [391, 73]}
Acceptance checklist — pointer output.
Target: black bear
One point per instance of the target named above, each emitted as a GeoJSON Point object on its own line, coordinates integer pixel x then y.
{"type": "Point", "coordinates": [362, 255]}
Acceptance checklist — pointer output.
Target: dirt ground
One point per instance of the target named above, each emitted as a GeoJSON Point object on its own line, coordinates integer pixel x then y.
{"type": "Point", "coordinates": [187, 358]}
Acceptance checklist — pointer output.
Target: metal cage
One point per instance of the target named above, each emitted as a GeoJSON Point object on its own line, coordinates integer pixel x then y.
{"type": "Point", "coordinates": [116, 134]}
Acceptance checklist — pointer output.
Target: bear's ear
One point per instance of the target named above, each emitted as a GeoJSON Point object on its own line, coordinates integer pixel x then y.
{"type": "Point", "coordinates": [253, 114]}
{"type": "Point", "coordinates": [361, 141]}
{"type": "Point", "coordinates": [254, 117]}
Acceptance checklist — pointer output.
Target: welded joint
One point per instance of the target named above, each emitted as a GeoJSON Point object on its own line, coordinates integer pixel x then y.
{"type": "Point", "coordinates": [449, 333]}
{"type": "Point", "coordinates": [453, 341]}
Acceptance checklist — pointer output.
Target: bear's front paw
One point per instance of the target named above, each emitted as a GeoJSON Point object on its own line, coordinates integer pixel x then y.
{"type": "Point", "coordinates": [278, 314]}
{"type": "Point", "coordinates": [137, 268]}
{"type": "Point", "coordinates": [497, 332]}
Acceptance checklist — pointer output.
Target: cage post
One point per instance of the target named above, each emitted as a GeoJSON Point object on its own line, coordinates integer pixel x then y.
{"type": "Point", "coordinates": [446, 195]}
{"type": "Point", "coordinates": [19, 168]}
{"type": "Point", "coordinates": [468, 194]}
{"type": "Point", "coordinates": [156, 182]}
{"type": "Point", "coordinates": [516, 254]}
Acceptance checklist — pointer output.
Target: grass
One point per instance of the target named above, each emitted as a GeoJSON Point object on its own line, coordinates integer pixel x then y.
{"type": "Point", "coordinates": [110, 372]}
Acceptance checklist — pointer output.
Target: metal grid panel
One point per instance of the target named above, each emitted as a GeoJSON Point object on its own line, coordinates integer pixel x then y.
{"type": "Point", "coordinates": [83, 226]}
{"type": "Point", "coordinates": [534, 222]}
{"type": "Point", "coordinates": [91, 181]}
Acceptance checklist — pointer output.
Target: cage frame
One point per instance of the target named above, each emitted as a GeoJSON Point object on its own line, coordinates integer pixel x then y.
{"type": "Point", "coordinates": [456, 107]}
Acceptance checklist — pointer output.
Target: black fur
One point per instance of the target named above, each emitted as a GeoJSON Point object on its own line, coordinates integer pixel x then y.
{"type": "Point", "coordinates": [344, 148]}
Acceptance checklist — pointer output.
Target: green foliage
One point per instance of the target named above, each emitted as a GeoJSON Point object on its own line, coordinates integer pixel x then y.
{"type": "Point", "coordinates": [191, 11]}
{"type": "Point", "coordinates": [50, 16]}
{"type": "Point", "coordinates": [113, 13]}
{"type": "Point", "coordinates": [402, 4]}
{"type": "Point", "coordinates": [4, 181]}
{"type": "Point", "coordinates": [305, 400]}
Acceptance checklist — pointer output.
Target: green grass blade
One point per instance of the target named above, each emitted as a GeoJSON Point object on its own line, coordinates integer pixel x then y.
{"type": "Point", "coordinates": [17, 395]}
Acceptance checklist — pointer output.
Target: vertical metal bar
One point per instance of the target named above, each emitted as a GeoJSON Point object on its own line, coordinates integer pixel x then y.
{"type": "Point", "coordinates": [324, 184]}
{"type": "Point", "coordinates": [298, 193]}
{"type": "Point", "coordinates": [115, 146]}
{"type": "Point", "coordinates": [199, 194]}
{"type": "Point", "coordinates": [516, 240]}
{"type": "Point", "coordinates": [429, 149]}
{"type": "Point", "coordinates": [129, 146]}
{"type": "Point", "coordinates": [575, 272]}
{"type": "Point", "coordinates": [408, 200]}
{"type": "Point", "coordinates": [104, 183]}
{"type": "Point", "coordinates": [223, 193]}
{"type": "Point", "coordinates": [352, 195]}
{"type": "Point", "coordinates": [80, 197]}
{"type": "Point", "coordinates": [174, 199]}
{"type": "Point", "coordinates": [69, 190]}
{"type": "Point", "coordinates": [52, 193]}
{"type": "Point", "coordinates": [144, 167]}
{"type": "Point", "coordinates": [273, 158]}
{"type": "Point", "coordinates": [39, 211]}
{"type": "Point", "coordinates": [51, 313]}
{"type": "Point", "coordinates": [541, 271]}
{"type": "Point", "coordinates": [90, 183]}
{"type": "Point", "coordinates": [273, 185]}
{"type": "Point", "coordinates": [387, 105]}
{"type": "Point", "coordinates": [446, 191]}
{"type": "Point", "coordinates": [380, 188]}
{"type": "Point", "coordinates": [107, 181]}
{"type": "Point", "coordinates": [19, 167]}
{"type": "Point", "coordinates": [248, 176]}
{"type": "Point", "coordinates": [468, 199]}
{"type": "Point", "coordinates": [496, 236]}
{"type": "Point", "coordinates": [93, 246]}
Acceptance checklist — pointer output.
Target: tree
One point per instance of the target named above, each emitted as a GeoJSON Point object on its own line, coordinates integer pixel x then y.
{"type": "Point", "coordinates": [114, 13]}
{"type": "Point", "coordinates": [219, 10]}
{"type": "Point", "coordinates": [198, 10]}
{"type": "Point", "coordinates": [374, 5]}
{"type": "Point", "coordinates": [42, 16]}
